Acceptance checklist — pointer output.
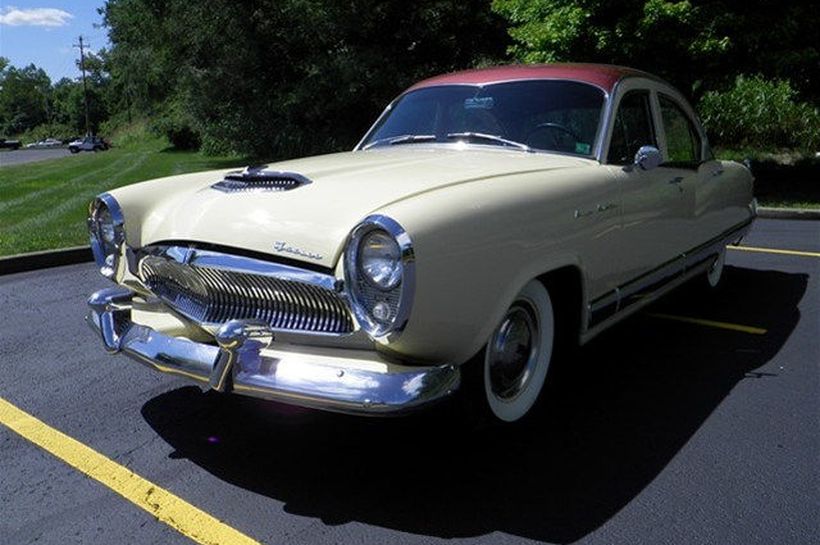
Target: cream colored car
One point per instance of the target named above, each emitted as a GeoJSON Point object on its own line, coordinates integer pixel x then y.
{"type": "Point", "coordinates": [487, 216]}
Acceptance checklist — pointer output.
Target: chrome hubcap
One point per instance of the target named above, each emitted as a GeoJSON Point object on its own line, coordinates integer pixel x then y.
{"type": "Point", "coordinates": [513, 351]}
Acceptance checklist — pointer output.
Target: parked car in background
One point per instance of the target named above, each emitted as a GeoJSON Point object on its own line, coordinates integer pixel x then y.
{"type": "Point", "coordinates": [487, 218]}
{"type": "Point", "coordinates": [47, 143]}
{"type": "Point", "coordinates": [89, 143]}
{"type": "Point", "coordinates": [9, 144]}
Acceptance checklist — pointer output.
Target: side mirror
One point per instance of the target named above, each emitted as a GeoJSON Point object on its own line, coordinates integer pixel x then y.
{"type": "Point", "coordinates": [648, 157]}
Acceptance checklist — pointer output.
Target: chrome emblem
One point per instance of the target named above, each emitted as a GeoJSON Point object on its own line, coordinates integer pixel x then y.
{"type": "Point", "coordinates": [282, 246]}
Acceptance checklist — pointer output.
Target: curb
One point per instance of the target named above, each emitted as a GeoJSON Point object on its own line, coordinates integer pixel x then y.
{"type": "Point", "coordinates": [788, 213]}
{"type": "Point", "coordinates": [45, 259]}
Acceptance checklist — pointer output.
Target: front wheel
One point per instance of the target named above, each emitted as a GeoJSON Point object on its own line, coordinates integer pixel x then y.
{"type": "Point", "coordinates": [515, 362]}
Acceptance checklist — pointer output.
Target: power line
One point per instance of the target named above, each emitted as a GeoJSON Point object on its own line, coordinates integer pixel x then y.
{"type": "Point", "coordinates": [85, 86]}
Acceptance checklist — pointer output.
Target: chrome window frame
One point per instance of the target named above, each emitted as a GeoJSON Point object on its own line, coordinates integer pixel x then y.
{"type": "Point", "coordinates": [600, 131]}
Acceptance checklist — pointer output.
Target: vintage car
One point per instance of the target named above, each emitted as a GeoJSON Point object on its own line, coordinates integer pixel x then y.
{"type": "Point", "coordinates": [9, 144]}
{"type": "Point", "coordinates": [89, 143]}
{"type": "Point", "coordinates": [47, 143]}
{"type": "Point", "coordinates": [486, 217]}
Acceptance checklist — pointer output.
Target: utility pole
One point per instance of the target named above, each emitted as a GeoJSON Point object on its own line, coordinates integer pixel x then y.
{"type": "Point", "coordinates": [85, 86]}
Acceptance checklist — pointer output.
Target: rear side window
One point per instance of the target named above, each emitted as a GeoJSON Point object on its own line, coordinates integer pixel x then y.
{"type": "Point", "coordinates": [632, 128]}
{"type": "Point", "coordinates": [682, 139]}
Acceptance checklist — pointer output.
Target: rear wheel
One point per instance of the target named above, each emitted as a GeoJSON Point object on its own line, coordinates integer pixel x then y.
{"type": "Point", "coordinates": [515, 362]}
{"type": "Point", "coordinates": [714, 274]}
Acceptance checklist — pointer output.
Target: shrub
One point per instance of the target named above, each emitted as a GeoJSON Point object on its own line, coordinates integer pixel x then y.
{"type": "Point", "coordinates": [760, 113]}
{"type": "Point", "coordinates": [49, 130]}
{"type": "Point", "coordinates": [174, 123]}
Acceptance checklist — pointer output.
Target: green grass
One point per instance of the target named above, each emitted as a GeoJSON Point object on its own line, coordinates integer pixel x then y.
{"type": "Point", "coordinates": [43, 205]}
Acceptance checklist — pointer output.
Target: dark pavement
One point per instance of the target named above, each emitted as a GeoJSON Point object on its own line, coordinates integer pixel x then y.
{"type": "Point", "coordinates": [18, 157]}
{"type": "Point", "coordinates": [658, 432]}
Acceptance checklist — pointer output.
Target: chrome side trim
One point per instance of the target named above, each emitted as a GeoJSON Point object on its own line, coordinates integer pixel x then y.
{"type": "Point", "coordinates": [652, 284]}
{"type": "Point", "coordinates": [240, 364]}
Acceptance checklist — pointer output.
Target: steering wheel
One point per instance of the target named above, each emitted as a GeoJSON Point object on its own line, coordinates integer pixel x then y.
{"type": "Point", "coordinates": [553, 126]}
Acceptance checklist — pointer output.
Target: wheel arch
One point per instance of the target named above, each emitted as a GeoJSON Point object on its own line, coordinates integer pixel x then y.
{"type": "Point", "coordinates": [568, 301]}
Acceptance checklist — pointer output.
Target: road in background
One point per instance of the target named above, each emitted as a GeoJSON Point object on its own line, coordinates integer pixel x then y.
{"type": "Point", "coordinates": [18, 157]}
{"type": "Point", "coordinates": [659, 431]}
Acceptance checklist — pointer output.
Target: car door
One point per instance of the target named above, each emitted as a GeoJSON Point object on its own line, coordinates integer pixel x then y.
{"type": "Point", "coordinates": [654, 202]}
{"type": "Point", "coordinates": [687, 157]}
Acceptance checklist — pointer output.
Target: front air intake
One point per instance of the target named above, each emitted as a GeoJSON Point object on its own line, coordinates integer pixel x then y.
{"type": "Point", "coordinates": [260, 179]}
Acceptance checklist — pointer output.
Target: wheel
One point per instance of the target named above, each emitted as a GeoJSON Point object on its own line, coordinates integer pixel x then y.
{"type": "Point", "coordinates": [714, 273]}
{"type": "Point", "coordinates": [73, 150]}
{"type": "Point", "coordinates": [514, 364]}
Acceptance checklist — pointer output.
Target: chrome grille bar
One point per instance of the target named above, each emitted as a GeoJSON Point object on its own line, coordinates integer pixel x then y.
{"type": "Point", "coordinates": [210, 295]}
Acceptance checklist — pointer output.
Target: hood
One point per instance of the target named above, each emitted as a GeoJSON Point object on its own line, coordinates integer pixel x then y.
{"type": "Point", "coordinates": [311, 222]}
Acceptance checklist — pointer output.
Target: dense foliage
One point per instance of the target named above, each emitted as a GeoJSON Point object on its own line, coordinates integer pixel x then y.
{"type": "Point", "coordinates": [698, 46]}
{"type": "Point", "coordinates": [278, 78]}
{"type": "Point", "coordinates": [760, 113]}
{"type": "Point", "coordinates": [30, 104]}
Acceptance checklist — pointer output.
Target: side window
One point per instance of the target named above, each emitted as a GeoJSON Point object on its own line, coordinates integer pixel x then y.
{"type": "Point", "coordinates": [632, 128]}
{"type": "Point", "coordinates": [682, 139]}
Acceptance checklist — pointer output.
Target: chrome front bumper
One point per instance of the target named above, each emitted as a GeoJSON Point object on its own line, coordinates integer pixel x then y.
{"type": "Point", "coordinates": [244, 361]}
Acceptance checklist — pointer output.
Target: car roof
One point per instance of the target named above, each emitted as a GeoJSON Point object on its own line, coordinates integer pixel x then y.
{"type": "Point", "coordinates": [604, 76]}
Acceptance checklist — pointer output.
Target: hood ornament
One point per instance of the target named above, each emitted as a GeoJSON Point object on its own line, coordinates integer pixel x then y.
{"type": "Point", "coordinates": [258, 178]}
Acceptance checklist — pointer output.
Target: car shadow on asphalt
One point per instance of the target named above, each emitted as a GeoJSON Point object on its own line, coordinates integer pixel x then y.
{"type": "Point", "coordinates": [608, 425]}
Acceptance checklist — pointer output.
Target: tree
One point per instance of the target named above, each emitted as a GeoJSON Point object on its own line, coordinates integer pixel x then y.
{"type": "Point", "coordinates": [288, 77]}
{"type": "Point", "coordinates": [24, 98]}
{"type": "Point", "coordinates": [695, 45]}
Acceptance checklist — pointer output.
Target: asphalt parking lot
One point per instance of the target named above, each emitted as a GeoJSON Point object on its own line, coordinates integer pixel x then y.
{"type": "Point", "coordinates": [18, 157]}
{"type": "Point", "coordinates": [694, 422]}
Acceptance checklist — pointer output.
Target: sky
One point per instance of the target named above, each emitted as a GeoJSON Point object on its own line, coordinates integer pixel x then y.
{"type": "Point", "coordinates": [42, 32]}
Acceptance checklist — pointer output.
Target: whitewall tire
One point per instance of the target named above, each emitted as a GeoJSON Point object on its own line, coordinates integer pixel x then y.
{"type": "Point", "coordinates": [517, 356]}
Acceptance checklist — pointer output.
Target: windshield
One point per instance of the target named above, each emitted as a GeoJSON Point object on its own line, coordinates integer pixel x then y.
{"type": "Point", "coordinates": [547, 115]}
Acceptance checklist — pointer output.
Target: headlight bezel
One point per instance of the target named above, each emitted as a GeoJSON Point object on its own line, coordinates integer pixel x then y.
{"type": "Point", "coordinates": [393, 278]}
{"type": "Point", "coordinates": [399, 297]}
{"type": "Point", "coordinates": [106, 252]}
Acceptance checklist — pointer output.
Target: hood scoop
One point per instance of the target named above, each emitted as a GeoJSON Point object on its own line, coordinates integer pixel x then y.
{"type": "Point", "coordinates": [259, 178]}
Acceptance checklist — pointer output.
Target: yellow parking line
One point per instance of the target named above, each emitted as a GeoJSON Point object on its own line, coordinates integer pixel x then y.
{"type": "Point", "coordinates": [165, 506]}
{"type": "Point", "coordinates": [774, 251]}
{"type": "Point", "coordinates": [710, 323]}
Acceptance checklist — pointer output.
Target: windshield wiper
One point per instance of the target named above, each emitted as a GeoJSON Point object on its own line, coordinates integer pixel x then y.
{"type": "Point", "coordinates": [401, 139]}
{"type": "Point", "coordinates": [490, 137]}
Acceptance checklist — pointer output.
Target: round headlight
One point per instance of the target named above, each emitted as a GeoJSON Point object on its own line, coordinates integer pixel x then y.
{"type": "Point", "coordinates": [379, 268]}
{"type": "Point", "coordinates": [380, 260]}
{"type": "Point", "coordinates": [105, 225]}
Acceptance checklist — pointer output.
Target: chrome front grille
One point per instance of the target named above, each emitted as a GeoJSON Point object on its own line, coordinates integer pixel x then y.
{"type": "Point", "coordinates": [211, 295]}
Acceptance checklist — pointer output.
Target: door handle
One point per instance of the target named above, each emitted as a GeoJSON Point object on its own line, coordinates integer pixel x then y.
{"type": "Point", "coordinates": [677, 181]}
{"type": "Point", "coordinates": [716, 173]}
{"type": "Point", "coordinates": [607, 206]}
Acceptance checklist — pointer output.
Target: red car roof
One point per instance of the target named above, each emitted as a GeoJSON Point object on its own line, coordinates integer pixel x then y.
{"type": "Point", "coordinates": [604, 76]}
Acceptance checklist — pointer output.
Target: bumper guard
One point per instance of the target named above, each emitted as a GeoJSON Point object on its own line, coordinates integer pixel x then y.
{"type": "Point", "coordinates": [239, 363]}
